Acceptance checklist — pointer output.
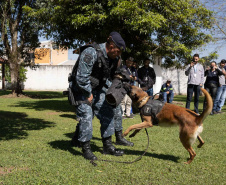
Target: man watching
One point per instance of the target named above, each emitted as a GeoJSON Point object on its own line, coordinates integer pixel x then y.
{"type": "Point", "coordinates": [195, 73]}
{"type": "Point", "coordinates": [147, 76]}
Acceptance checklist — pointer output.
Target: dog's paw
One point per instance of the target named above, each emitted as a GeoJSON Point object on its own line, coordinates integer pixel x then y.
{"type": "Point", "coordinates": [200, 145]}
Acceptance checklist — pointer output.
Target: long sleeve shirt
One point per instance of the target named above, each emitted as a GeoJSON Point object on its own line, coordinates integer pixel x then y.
{"type": "Point", "coordinates": [149, 73]}
{"type": "Point", "coordinates": [195, 74]}
{"type": "Point", "coordinates": [213, 76]}
{"type": "Point", "coordinates": [222, 78]}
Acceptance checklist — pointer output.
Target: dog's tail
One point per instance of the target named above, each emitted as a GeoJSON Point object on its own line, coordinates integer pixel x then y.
{"type": "Point", "coordinates": [208, 109]}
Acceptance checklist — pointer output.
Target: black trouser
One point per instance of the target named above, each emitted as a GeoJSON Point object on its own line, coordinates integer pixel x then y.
{"type": "Point", "coordinates": [190, 89]}
{"type": "Point", "coordinates": [212, 90]}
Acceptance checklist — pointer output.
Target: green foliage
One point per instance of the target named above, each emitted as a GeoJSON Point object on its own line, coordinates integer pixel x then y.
{"type": "Point", "coordinates": [35, 135]}
{"type": "Point", "coordinates": [156, 27]}
{"type": "Point", "coordinates": [22, 74]}
{"type": "Point", "coordinates": [19, 37]}
{"type": "Point", "coordinates": [206, 60]}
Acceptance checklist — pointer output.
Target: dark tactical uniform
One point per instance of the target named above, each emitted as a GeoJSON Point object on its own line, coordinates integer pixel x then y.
{"type": "Point", "coordinates": [110, 118]}
{"type": "Point", "coordinates": [94, 77]}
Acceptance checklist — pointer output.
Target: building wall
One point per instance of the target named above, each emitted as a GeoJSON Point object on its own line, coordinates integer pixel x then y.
{"type": "Point", "coordinates": [59, 56]}
{"type": "Point", "coordinates": [55, 78]}
{"type": "Point", "coordinates": [50, 54]}
{"type": "Point", "coordinates": [42, 56]}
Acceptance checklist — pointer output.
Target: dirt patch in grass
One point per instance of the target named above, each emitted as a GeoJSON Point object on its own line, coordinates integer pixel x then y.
{"type": "Point", "coordinates": [54, 113]}
{"type": "Point", "coordinates": [5, 171]}
{"type": "Point", "coordinates": [178, 103]}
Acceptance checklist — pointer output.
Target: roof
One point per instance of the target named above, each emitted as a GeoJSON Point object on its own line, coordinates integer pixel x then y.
{"type": "Point", "coordinates": [68, 62]}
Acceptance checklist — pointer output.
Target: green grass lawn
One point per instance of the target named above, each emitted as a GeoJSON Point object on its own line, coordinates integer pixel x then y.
{"type": "Point", "coordinates": [35, 148]}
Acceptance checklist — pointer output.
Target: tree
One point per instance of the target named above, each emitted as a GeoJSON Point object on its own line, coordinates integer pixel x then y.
{"type": "Point", "coordinates": [19, 36]}
{"type": "Point", "coordinates": [219, 9]}
{"type": "Point", "coordinates": [167, 28]}
{"type": "Point", "coordinates": [219, 24]}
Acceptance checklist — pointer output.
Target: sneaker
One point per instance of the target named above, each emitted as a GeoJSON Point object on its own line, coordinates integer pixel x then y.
{"type": "Point", "coordinates": [123, 117]}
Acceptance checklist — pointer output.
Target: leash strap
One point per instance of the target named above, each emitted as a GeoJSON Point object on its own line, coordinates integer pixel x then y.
{"type": "Point", "coordinates": [125, 162]}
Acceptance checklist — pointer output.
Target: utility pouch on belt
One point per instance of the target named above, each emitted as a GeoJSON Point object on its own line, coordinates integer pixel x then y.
{"type": "Point", "coordinates": [71, 97]}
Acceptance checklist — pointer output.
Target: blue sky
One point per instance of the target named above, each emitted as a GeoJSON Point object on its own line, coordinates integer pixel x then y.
{"type": "Point", "coordinates": [211, 47]}
{"type": "Point", "coordinates": [219, 7]}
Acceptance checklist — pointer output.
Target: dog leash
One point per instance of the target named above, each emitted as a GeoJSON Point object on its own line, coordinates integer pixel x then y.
{"type": "Point", "coordinates": [125, 162]}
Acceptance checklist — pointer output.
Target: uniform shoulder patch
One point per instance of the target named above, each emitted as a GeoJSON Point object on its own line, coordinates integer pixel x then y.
{"type": "Point", "coordinates": [87, 58]}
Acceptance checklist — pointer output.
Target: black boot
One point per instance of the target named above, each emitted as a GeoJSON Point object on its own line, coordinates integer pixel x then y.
{"type": "Point", "coordinates": [121, 140]}
{"type": "Point", "coordinates": [108, 148]}
{"type": "Point", "coordinates": [75, 142]}
{"type": "Point", "coordinates": [86, 150]}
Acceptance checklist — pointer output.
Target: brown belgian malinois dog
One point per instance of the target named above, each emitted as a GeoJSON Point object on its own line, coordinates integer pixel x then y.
{"type": "Point", "coordinates": [190, 123]}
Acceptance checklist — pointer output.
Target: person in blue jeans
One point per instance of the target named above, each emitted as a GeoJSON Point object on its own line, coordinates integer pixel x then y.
{"type": "Point", "coordinates": [195, 73]}
{"type": "Point", "coordinates": [212, 74]}
{"type": "Point", "coordinates": [167, 92]}
{"type": "Point", "coordinates": [221, 91]}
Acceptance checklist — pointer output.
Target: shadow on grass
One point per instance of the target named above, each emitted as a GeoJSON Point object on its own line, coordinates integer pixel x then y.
{"type": "Point", "coordinates": [154, 155]}
{"type": "Point", "coordinates": [43, 94]}
{"type": "Point", "coordinates": [69, 116]}
{"type": "Point", "coordinates": [66, 146]}
{"type": "Point", "coordinates": [55, 105]}
{"type": "Point", "coordinates": [4, 92]}
{"type": "Point", "coordinates": [13, 125]}
{"type": "Point", "coordinates": [35, 94]}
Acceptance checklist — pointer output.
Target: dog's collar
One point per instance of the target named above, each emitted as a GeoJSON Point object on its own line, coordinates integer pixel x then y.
{"type": "Point", "coordinates": [143, 101]}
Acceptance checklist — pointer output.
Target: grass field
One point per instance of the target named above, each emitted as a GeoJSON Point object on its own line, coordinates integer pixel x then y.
{"type": "Point", "coordinates": [35, 134]}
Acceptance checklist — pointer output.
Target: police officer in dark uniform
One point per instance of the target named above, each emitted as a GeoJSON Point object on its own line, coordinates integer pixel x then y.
{"type": "Point", "coordinates": [92, 80]}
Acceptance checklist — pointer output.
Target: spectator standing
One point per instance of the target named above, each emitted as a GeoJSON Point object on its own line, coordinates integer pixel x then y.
{"type": "Point", "coordinates": [167, 92]}
{"type": "Point", "coordinates": [135, 74]}
{"type": "Point", "coordinates": [126, 103]}
{"type": "Point", "coordinates": [147, 76]}
{"type": "Point", "coordinates": [195, 73]}
{"type": "Point", "coordinates": [221, 90]}
{"type": "Point", "coordinates": [212, 74]}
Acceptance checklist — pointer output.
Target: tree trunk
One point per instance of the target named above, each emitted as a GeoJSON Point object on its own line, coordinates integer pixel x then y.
{"type": "Point", "coordinates": [15, 79]}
